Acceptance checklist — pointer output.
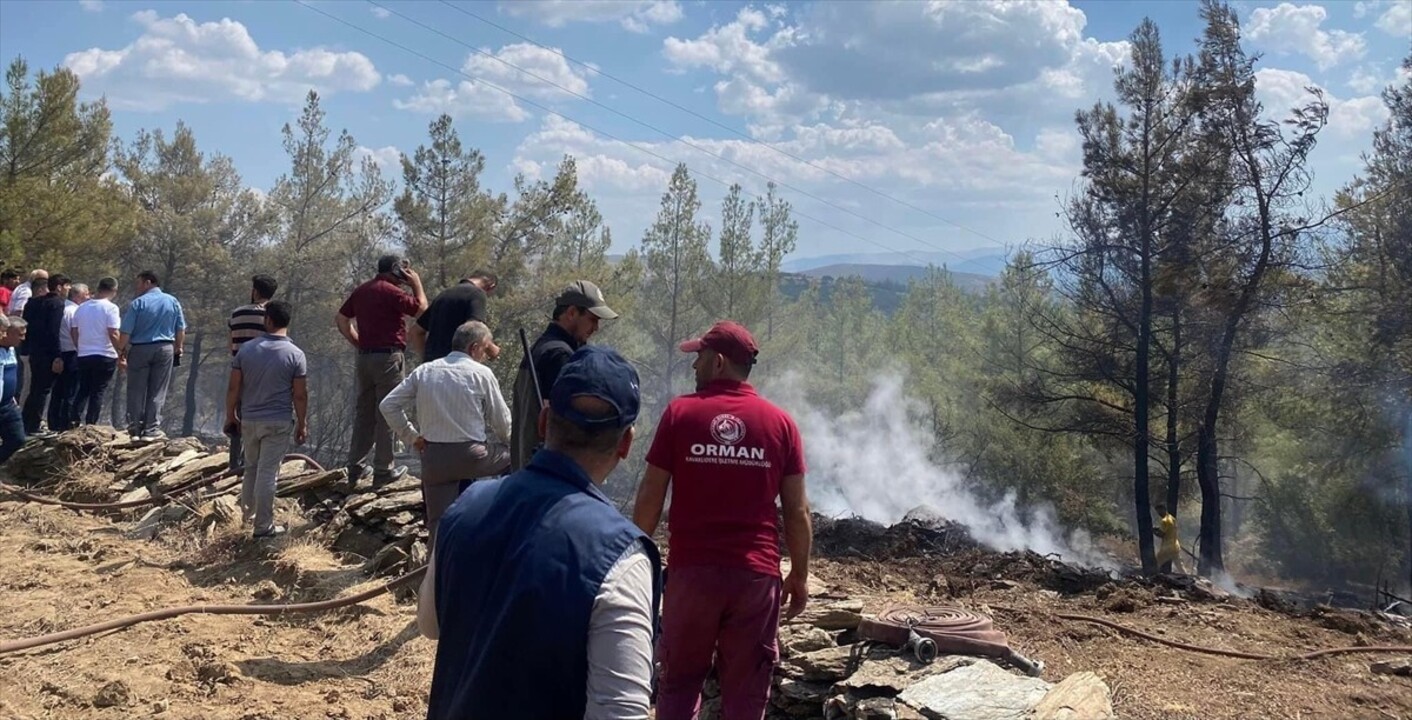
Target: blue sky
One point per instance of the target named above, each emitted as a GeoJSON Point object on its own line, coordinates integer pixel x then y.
{"type": "Point", "coordinates": [960, 110]}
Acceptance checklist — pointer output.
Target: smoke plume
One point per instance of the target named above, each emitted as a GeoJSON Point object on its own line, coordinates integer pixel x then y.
{"type": "Point", "coordinates": [875, 462]}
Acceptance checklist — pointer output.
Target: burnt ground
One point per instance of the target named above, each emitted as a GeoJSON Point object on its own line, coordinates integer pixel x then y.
{"type": "Point", "coordinates": [60, 569]}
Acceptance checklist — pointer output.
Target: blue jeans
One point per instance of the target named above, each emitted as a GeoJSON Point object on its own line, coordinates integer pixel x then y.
{"type": "Point", "coordinates": [12, 429]}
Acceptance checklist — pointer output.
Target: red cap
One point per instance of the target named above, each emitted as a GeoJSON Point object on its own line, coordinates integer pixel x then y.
{"type": "Point", "coordinates": [729, 339]}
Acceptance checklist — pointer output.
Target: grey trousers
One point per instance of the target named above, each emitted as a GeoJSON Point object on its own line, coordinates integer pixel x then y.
{"type": "Point", "coordinates": [266, 444]}
{"type": "Point", "coordinates": [149, 373]}
{"type": "Point", "coordinates": [446, 466]}
{"type": "Point", "coordinates": [375, 376]}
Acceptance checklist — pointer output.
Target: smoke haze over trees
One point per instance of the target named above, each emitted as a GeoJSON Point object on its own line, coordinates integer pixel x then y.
{"type": "Point", "coordinates": [1206, 333]}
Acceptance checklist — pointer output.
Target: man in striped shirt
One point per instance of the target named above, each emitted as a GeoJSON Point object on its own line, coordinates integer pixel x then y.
{"type": "Point", "coordinates": [247, 322]}
{"type": "Point", "coordinates": [462, 425]}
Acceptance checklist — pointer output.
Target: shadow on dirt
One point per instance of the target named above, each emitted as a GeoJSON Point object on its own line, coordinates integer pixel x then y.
{"type": "Point", "coordinates": [284, 672]}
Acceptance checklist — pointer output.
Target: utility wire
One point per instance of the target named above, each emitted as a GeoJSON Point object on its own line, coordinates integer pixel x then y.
{"type": "Point", "coordinates": [734, 131]}
{"type": "Point", "coordinates": [606, 134]}
{"type": "Point", "coordinates": [671, 136]}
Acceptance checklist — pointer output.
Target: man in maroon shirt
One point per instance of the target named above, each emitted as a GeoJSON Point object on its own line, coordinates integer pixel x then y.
{"type": "Point", "coordinates": [372, 321]}
{"type": "Point", "coordinates": [727, 454]}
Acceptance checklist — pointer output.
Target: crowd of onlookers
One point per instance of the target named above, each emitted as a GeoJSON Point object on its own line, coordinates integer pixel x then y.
{"type": "Point", "coordinates": [525, 549]}
{"type": "Point", "coordinates": [63, 344]}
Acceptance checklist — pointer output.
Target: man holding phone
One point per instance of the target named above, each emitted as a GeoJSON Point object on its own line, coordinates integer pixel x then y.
{"type": "Point", "coordinates": [372, 320]}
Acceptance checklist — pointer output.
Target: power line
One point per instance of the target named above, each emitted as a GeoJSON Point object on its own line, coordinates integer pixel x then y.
{"type": "Point", "coordinates": [671, 136]}
{"type": "Point", "coordinates": [734, 131]}
{"type": "Point", "coordinates": [611, 136]}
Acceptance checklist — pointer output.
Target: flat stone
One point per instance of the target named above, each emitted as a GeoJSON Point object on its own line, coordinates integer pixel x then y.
{"type": "Point", "coordinates": [402, 484]}
{"type": "Point", "coordinates": [151, 523]}
{"type": "Point", "coordinates": [800, 639]}
{"type": "Point", "coordinates": [226, 509]}
{"type": "Point", "coordinates": [800, 691]}
{"type": "Point", "coordinates": [1401, 668]}
{"type": "Point", "coordinates": [310, 481]}
{"type": "Point", "coordinates": [114, 694]}
{"type": "Point", "coordinates": [835, 615]}
{"type": "Point", "coordinates": [141, 493]}
{"type": "Point", "coordinates": [388, 504]}
{"type": "Point", "coordinates": [827, 665]}
{"type": "Point", "coordinates": [1081, 696]}
{"type": "Point", "coordinates": [292, 468]}
{"type": "Point", "coordinates": [189, 472]}
{"type": "Point", "coordinates": [980, 691]}
{"type": "Point", "coordinates": [890, 676]}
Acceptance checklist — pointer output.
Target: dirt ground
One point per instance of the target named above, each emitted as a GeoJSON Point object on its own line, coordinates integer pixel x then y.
{"type": "Point", "coordinates": [60, 569]}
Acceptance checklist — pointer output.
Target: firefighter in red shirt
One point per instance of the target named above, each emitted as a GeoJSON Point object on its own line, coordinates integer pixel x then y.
{"type": "Point", "coordinates": [727, 454]}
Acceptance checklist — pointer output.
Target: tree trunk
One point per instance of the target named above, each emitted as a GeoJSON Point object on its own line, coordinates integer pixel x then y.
{"type": "Point", "coordinates": [1174, 448]}
{"type": "Point", "coordinates": [193, 373]}
{"type": "Point", "coordinates": [1142, 382]}
{"type": "Point", "coordinates": [1407, 493]}
{"type": "Point", "coordinates": [117, 409]}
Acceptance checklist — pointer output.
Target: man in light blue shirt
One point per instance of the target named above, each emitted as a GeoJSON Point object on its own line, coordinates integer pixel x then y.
{"type": "Point", "coordinates": [150, 339]}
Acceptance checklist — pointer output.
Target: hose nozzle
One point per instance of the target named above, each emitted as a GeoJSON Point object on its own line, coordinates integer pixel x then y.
{"type": "Point", "coordinates": [923, 648]}
{"type": "Point", "coordinates": [1033, 668]}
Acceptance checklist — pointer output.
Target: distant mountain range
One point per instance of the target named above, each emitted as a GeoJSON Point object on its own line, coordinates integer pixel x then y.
{"type": "Point", "coordinates": [897, 274]}
{"type": "Point", "coordinates": [988, 262]}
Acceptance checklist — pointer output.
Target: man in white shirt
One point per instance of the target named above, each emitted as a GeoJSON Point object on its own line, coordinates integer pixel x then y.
{"type": "Point", "coordinates": [94, 332]}
{"type": "Point", "coordinates": [62, 415]}
{"type": "Point", "coordinates": [462, 427]}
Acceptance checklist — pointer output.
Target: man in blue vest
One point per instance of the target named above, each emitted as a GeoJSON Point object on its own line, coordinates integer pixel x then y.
{"type": "Point", "coordinates": [541, 593]}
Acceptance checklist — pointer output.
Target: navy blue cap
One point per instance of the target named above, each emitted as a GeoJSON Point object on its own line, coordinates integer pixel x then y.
{"type": "Point", "coordinates": [597, 372]}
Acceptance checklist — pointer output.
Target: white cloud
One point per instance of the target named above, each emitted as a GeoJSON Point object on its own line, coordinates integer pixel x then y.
{"type": "Point", "coordinates": [1352, 119]}
{"type": "Point", "coordinates": [526, 70]}
{"type": "Point", "coordinates": [93, 6]}
{"type": "Point", "coordinates": [1295, 29]}
{"type": "Point", "coordinates": [1397, 21]}
{"type": "Point", "coordinates": [633, 15]}
{"type": "Point", "coordinates": [400, 80]}
{"type": "Point", "coordinates": [520, 67]}
{"type": "Point", "coordinates": [468, 98]}
{"type": "Point", "coordinates": [388, 158]}
{"type": "Point", "coordinates": [903, 59]}
{"type": "Point", "coordinates": [380, 13]}
{"type": "Point", "coordinates": [178, 60]}
{"type": "Point", "coordinates": [1362, 8]}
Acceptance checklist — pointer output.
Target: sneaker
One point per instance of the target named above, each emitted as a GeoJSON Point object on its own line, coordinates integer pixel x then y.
{"type": "Point", "coordinates": [392, 476]}
{"type": "Point", "coordinates": [274, 532]}
{"type": "Point", "coordinates": [154, 435]}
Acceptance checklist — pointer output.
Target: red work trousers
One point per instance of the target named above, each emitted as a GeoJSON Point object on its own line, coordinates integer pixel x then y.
{"type": "Point", "coordinates": [731, 615]}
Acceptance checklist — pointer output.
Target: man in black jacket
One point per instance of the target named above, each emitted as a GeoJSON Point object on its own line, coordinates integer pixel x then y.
{"type": "Point", "coordinates": [453, 307]}
{"type": "Point", "coordinates": [45, 314]}
{"type": "Point", "coordinates": [577, 312]}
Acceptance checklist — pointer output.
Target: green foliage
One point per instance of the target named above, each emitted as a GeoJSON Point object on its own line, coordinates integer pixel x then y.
{"type": "Point", "coordinates": [57, 202]}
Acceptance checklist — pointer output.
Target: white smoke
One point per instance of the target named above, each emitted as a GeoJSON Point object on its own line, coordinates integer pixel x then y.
{"type": "Point", "coordinates": [874, 462]}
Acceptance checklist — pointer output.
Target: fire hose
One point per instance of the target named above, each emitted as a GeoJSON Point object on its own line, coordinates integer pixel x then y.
{"type": "Point", "coordinates": [267, 609]}
{"type": "Point", "coordinates": [925, 631]}
{"type": "Point", "coordinates": [196, 484]}
{"type": "Point", "coordinates": [929, 630]}
{"type": "Point", "coordinates": [1239, 654]}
